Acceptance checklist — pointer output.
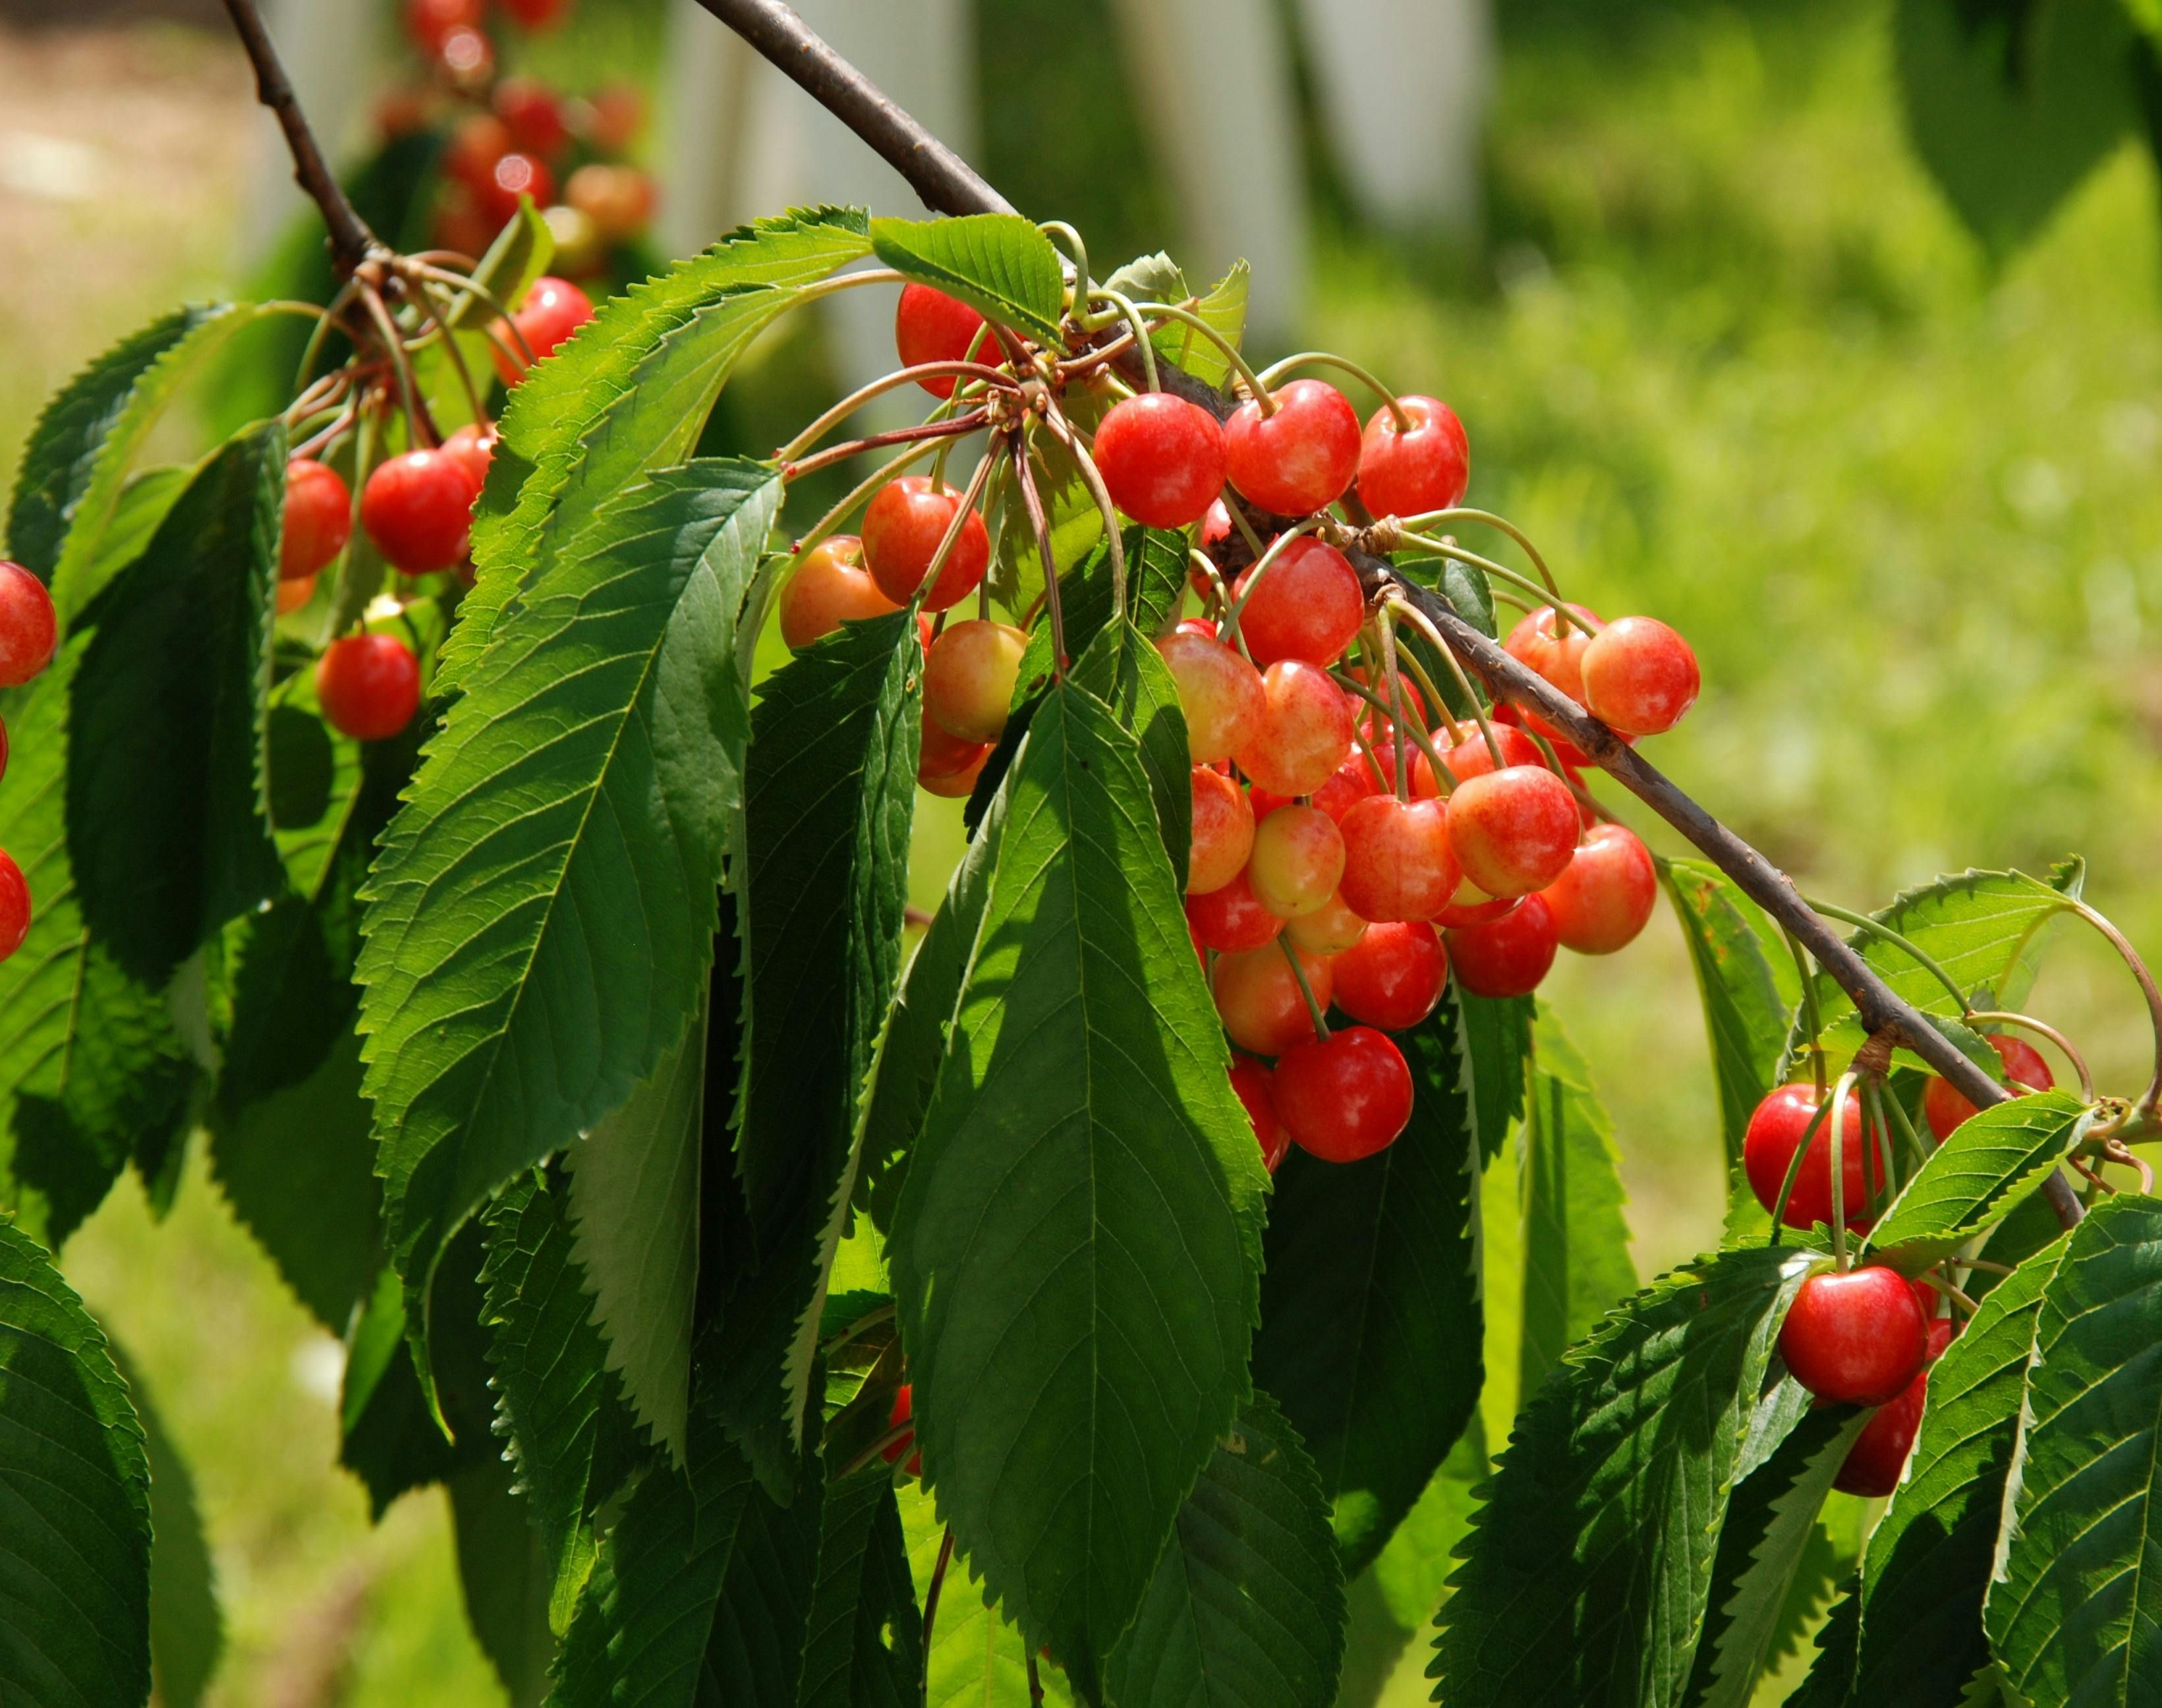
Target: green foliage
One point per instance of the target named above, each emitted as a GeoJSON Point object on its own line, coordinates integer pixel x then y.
{"type": "Point", "coordinates": [1413, 1571]}
{"type": "Point", "coordinates": [1977, 1177]}
{"type": "Point", "coordinates": [864, 1648]}
{"type": "Point", "coordinates": [976, 1659]}
{"type": "Point", "coordinates": [998, 263]}
{"type": "Point", "coordinates": [1497, 1033]}
{"type": "Point", "coordinates": [506, 1577]}
{"type": "Point", "coordinates": [1122, 669]}
{"type": "Point", "coordinates": [1158, 278]}
{"type": "Point", "coordinates": [187, 1626]}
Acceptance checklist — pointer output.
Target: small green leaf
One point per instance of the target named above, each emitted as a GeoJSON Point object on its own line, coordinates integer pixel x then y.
{"type": "Point", "coordinates": [864, 1645]}
{"type": "Point", "coordinates": [1224, 308]}
{"type": "Point", "coordinates": [1125, 670]}
{"type": "Point", "coordinates": [998, 263]}
{"type": "Point", "coordinates": [1977, 1177]}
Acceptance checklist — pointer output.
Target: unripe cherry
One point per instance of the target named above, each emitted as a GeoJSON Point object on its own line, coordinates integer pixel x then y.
{"type": "Point", "coordinates": [1251, 1081]}
{"type": "Point", "coordinates": [1219, 691]}
{"type": "Point", "coordinates": [1639, 675]}
{"type": "Point", "coordinates": [1857, 1337]}
{"type": "Point", "coordinates": [1398, 861]}
{"type": "Point", "coordinates": [1258, 999]}
{"type": "Point", "coordinates": [29, 630]}
{"type": "Point", "coordinates": [1300, 457]}
{"type": "Point", "coordinates": [418, 509]}
{"type": "Point", "coordinates": [1513, 830]}
{"type": "Point", "coordinates": [969, 678]}
{"type": "Point", "coordinates": [1222, 831]}
{"type": "Point", "coordinates": [1507, 956]}
{"type": "Point", "coordinates": [1775, 1129]}
{"type": "Point", "coordinates": [1603, 899]}
{"type": "Point", "coordinates": [1162, 459]}
{"type": "Point", "coordinates": [1944, 1107]}
{"type": "Point", "coordinates": [1343, 1097]}
{"type": "Point", "coordinates": [15, 906]}
{"type": "Point", "coordinates": [368, 686]}
{"type": "Point", "coordinates": [1408, 472]}
{"type": "Point", "coordinates": [957, 785]}
{"type": "Point", "coordinates": [1304, 733]}
{"type": "Point", "coordinates": [1306, 605]}
{"type": "Point", "coordinates": [1230, 918]}
{"type": "Point", "coordinates": [318, 518]}
{"type": "Point", "coordinates": [1298, 858]}
{"type": "Point", "coordinates": [1535, 643]}
{"type": "Point", "coordinates": [553, 309]}
{"type": "Point", "coordinates": [929, 325]}
{"type": "Point", "coordinates": [904, 526]}
{"type": "Point", "coordinates": [942, 755]}
{"type": "Point", "coordinates": [1329, 930]}
{"type": "Point", "coordinates": [1393, 976]}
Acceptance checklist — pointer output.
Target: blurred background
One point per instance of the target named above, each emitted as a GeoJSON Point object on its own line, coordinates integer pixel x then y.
{"type": "Point", "coordinates": [1878, 425]}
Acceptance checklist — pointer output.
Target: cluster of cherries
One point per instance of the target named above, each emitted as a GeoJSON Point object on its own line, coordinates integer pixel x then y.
{"type": "Point", "coordinates": [30, 631]}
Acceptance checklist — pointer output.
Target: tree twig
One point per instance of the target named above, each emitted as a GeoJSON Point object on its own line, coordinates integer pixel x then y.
{"type": "Point", "coordinates": [352, 242]}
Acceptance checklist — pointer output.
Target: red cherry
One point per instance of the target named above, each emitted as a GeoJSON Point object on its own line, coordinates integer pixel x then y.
{"type": "Point", "coordinates": [1219, 691]}
{"type": "Point", "coordinates": [1472, 906]}
{"type": "Point", "coordinates": [1408, 474]}
{"type": "Point", "coordinates": [929, 325]}
{"type": "Point", "coordinates": [1514, 830]}
{"type": "Point", "coordinates": [1162, 459]}
{"type": "Point", "coordinates": [1879, 1453]}
{"type": "Point", "coordinates": [1393, 976]}
{"type": "Point", "coordinates": [1222, 831]}
{"type": "Point", "coordinates": [969, 678]}
{"type": "Point", "coordinates": [904, 1408]}
{"type": "Point", "coordinates": [368, 686]}
{"type": "Point", "coordinates": [1215, 526]}
{"type": "Point", "coordinates": [1945, 1108]}
{"type": "Point", "coordinates": [615, 117]}
{"type": "Point", "coordinates": [553, 309]}
{"type": "Point", "coordinates": [537, 14]}
{"type": "Point", "coordinates": [1300, 457]}
{"type": "Point", "coordinates": [1258, 999]}
{"type": "Point", "coordinates": [944, 755]}
{"type": "Point", "coordinates": [1535, 644]}
{"type": "Point", "coordinates": [1306, 605]}
{"type": "Point", "coordinates": [1304, 733]}
{"type": "Point", "coordinates": [1350, 782]}
{"type": "Point", "coordinates": [428, 21]}
{"type": "Point", "coordinates": [476, 143]}
{"type": "Point", "coordinates": [1857, 1337]}
{"type": "Point", "coordinates": [957, 785]}
{"type": "Point", "coordinates": [1505, 956]}
{"type": "Point", "coordinates": [1398, 861]}
{"type": "Point", "coordinates": [1639, 675]}
{"type": "Point", "coordinates": [1471, 757]}
{"type": "Point", "coordinates": [29, 629]}
{"type": "Point", "coordinates": [1298, 857]}
{"type": "Point", "coordinates": [902, 530]}
{"type": "Point", "coordinates": [515, 175]}
{"type": "Point", "coordinates": [531, 114]}
{"type": "Point", "coordinates": [15, 906]}
{"type": "Point", "coordinates": [1329, 930]}
{"type": "Point", "coordinates": [1602, 900]}
{"type": "Point", "coordinates": [1252, 1081]}
{"type": "Point", "coordinates": [1344, 1096]}
{"type": "Point", "coordinates": [418, 509]}
{"type": "Point", "coordinates": [474, 444]}
{"type": "Point", "coordinates": [1768, 1150]}
{"type": "Point", "coordinates": [318, 518]}
{"type": "Point", "coordinates": [1231, 918]}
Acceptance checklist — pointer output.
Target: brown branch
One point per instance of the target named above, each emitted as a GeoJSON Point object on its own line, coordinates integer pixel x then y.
{"type": "Point", "coordinates": [352, 242]}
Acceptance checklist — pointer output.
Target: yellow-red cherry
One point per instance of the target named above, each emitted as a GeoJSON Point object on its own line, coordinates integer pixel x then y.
{"type": "Point", "coordinates": [1222, 831]}
{"type": "Point", "coordinates": [1504, 956]}
{"type": "Point", "coordinates": [1296, 859]}
{"type": "Point", "coordinates": [1604, 897]}
{"type": "Point", "coordinates": [1398, 861]}
{"type": "Point", "coordinates": [1259, 1001]}
{"type": "Point", "coordinates": [1307, 604]}
{"type": "Point", "coordinates": [1639, 675]}
{"type": "Point", "coordinates": [553, 309]}
{"type": "Point", "coordinates": [1513, 830]}
{"type": "Point", "coordinates": [1304, 733]}
{"type": "Point", "coordinates": [1230, 918]}
{"type": "Point", "coordinates": [1345, 1097]}
{"type": "Point", "coordinates": [1220, 693]}
{"type": "Point", "coordinates": [1393, 976]}
{"type": "Point", "coordinates": [1251, 1080]}
{"type": "Point", "coordinates": [15, 906]}
{"type": "Point", "coordinates": [1298, 458]}
{"type": "Point", "coordinates": [904, 526]}
{"type": "Point", "coordinates": [1410, 472]}
{"type": "Point", "coordinates": [969, 675]}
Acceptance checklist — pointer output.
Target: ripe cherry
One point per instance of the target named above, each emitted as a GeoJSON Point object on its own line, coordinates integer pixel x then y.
{"type": "Point", "coordinates": [474, 446]}
{"type": "Point", "coordinates": [1222, 831]}
{"type": "Point", "coordinates": [1350, 782]}
{"type": "Point", "coordinates": [1307, 604]}
{"type": "Point", "coordinates": [1472, 757]}
{"type": "Point", "coordinates": [1514, 830]}
{"type": "Point", "coordinates": [368, 686]}
{"type": "Point", "coordinates": [418, 509]}
{"type": "Point", "coordinates": [293, 595]}
{"type": "Point", "coordinates": [940, 755]}
{"type": "Point", "coordinates": [478, 141]}
{"type": "Point", "coordinates": [904, 1408]}
{"type": "Point", "coordinates": [1258, 1000]}
{"type": "Point", "coordinates": [1639, 675]}
{"type": "Point", "coordinates": [969, 678]}
{"type": "Point", "coordinates": [1506, 957]}
{"type": "Point", "coordinates": [531, 114]}
{"type": "Point", "coordinates": [1602, 900]}
{"type": "Point", "coordinates": [1215, 526]}
{"type": "Point", "coordinates": [1304, 733]}
{"type": "Point", "coordinates": [29, 629]}
{"type": "Point", "coordinates": [1298, 858]}
{"type": "Point", "coordinates": [1162, 459]}
{"type": "Point", "coordinates": [1252, 1081]}
{"type": "Point", "coordinates": [929, 325]}
{"type": "Point", "coordinates": [1567, 751]}
{"type": "Point", "coordinates": [1408, 472]}
{"type": "Point", "coordinates": [553, 309]}
{"type": "Point", "coordinates": [514, 175]}
{"type": "Point", "coordinates": [1345, 1096]}
{"type": "Point", "coordinates": [1472, 906]}
{"type": "Point", "coordinates": [1300, 457]}
{"type": "Point", "coordinates": [15, 906]}
{"type": "Point", "coordinates": [1767, 1150]}
{"type": "Point", "coordinates": [428, 21]}
{"type": "Point", "coordinates": [1857, 1337]}
{"type": "Point", "coordinates": [1879, 1453]}
{"type": "Point", "coordinates": [1535, 644]}
{"type": "Point", "coordinates": [318, 518]}
{"type": "Point", "coordinates": [903, 529]}
{"type": "Point", "coordinates": [1393, 976]}
{"type": "Point", "coordinates": [1398, 861]}
{"type": "Point", "coordinates": [1219, 691]}
{"type": "Point", "coordinates": [1945, 1108]}
{"type": "Point", "coordinates": [957, 785]}
{"type": "Point", "coordinates": [619, 200]}
{"type": "Point", "coordinates": [1329, 930]}
{"type": "Point", "coordinates": [1230, 918]}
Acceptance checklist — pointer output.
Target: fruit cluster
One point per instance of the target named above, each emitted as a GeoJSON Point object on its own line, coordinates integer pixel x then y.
{"type": "Point", "coordinates": [30, 631]}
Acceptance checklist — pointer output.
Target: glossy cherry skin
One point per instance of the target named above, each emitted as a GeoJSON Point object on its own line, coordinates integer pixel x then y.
{"type": "Point", "coordinates": [1857, 1337]}
{"type": "Point", "coordinates": [1306, 605]}
{"type": "Point", "coordinates": [428, 21]}
{"type": "Point", "coordinates": [903, 528]}
{"type": "Point", "coordinates": [829, 588]}
{"type": "Point", "coordinates": [1329, 930]}
{"type": "Point", "coordinates": [1514, 830]}
{"type": "Point", "coordinates": [1161, 459]}
{"type": "Point", "coordinates": [1219, 691]}
{"type": "Point", "coordinates": [1253, 1082]}
{"type": "Point", "coordinates": [15, 906]}
{"type": "Point", "coordinates": [1767, 1150]}
{"type": "Point", "coordinates": [1639, 675]}
{"type": "Point", "coordinates": [1299, 459]}
{"type": "Point", "coordinates": [1506, 957]}
{"type": "Point", "coordinates": [969, 675]}
{"type": "Point", "coordinates": [1298, 858]}
{"type": "Point", "coordinates": [1398, 861]}
{"type": "Point", "coordinates": [1305, 731]}
{"type": "Point", "coordinates": [943, 755]}
{"type": "Point", "coordinates": [1230, 918]}
{"type": "Point", "coordinates": [1603, 898]}
{"type": "Point", "coordinates": [474, 446]}
{"type": "Point", "coordinates": [318, 518]}
{"type": "Point", "coordinates": [1559, 657]}
{"type": "Point", "coordinates": [418, 509]}
{"type": "Point", "coordinates": [1393, 976]}
{"type": "Point", "coordinates": [29, 628]}
{"type": "Point", "coordinates": [904, 1408]}
{"type": "Point", "coordinates": [929, 325]}
{"type": "Point", "coordinates": [1222, 831]}
{"type": "Point", "coordinates": [368, 686]}
{"type": "Point", "coordinates": [1472, 906]}
{"type": "Point", "coordinates": [553, 309]}
{"type": "Point", "coordinates": [1345, 1096]}
{"type": "Point", "coordinates": [1879, 1453]}
{"type": "Point", "coordinates": [1471, 757]}
{"type": "Point", "coordinates": [1350, 782]}
{"type": "Point", "coordinates": [1945, 1108]}
{"type": "Point", "coordinates": [957, 785]}
{"type": "Point", "coordinates": [1258, 999]}
{"type": "Point", "coordinates": [1409, 474]}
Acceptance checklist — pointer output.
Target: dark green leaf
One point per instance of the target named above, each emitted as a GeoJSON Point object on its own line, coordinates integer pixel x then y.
{"type": "Point", "coordinates": [1122, 669]}
{"type": "Point", "coordinates": [1973, 1180]}
{"type": "Point", "coordinates": [506, 1577]}
{"type": "Point", "coordinates": [998, 263]}
{"type": "Point", "coordinates": [864, 1645]}
{"type": "Point", "coordinates": [1498, 1034]}
{"type": "Point", "coordinates": [1413, 1571]}
{"type": "Point", "coordinates": [1156, 583]}
{"type": "Point", "coordinates": [1828, 1678]}
{"type": "Point", "coordinates": [142, 505]}
{"type": "Point", "coordinates": [187, 1629]}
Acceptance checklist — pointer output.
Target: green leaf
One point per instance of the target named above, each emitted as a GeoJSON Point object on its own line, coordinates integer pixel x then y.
{"type": "Point", "coordinates": [168, 825]}
{"type": "Point", "coordinates": [75, 1499]}
{"type": "Point", "coordinates": [543, 907]}
{"type": "Point", "coordinates": [1224, 308]}
{"type": "Point", "coordinates": [1075, 1249]}
{"type": "Point", "coordinates": [2072, 1613]}
{"type": "Point", "coordinates": [976, 1658]}
{"type": "Point", "coordinates": [1497, 1031]}
{"type": "Point", "coordinates": [74, 466]}
{"type": "Point", "coordinates": [1125, 670]}
{"type": "Point", "coordinates": [506, 1578]}
{"type": "Point", "coordinates": [144, 501]}
{"type": "Point", "coordinates": [1977, 1177]}
{"type": "Point", "coordinates": [1370, 1317]}
{"type": "Point", "coordinates": [1576, 1243]}
{"type": "Point", "coordinates": [998, 263]}
{"type": "Point", "coordinates": [1413, 1571]}
{"type": "Point", "coordinates": [1827, 1683]}
{"type": "Point", "coordinates": [1587, 1572]}
{"type": "Point", "coordinates": [1075, 523]}
{"type": "Point", "coordinates": [187, 1629]}
{"type": "Point", "coordinates": [1155, 584]}
{"type": "Point", "coordinates": [519, 255]}
{"type": "Point", "coordinates": [864, 1645]}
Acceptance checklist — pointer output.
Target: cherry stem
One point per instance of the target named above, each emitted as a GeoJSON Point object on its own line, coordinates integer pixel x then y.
{"type": "Point", "coordinates": [2006, 1017]}
{"type": "Point", "coordinates": [931, 1594]}
{"type": "Point", "coordinates": [863, 394]}
{"type": "Point", "coordinates": [1838, 1107]}
{"type": "Point", "coordinates": [892, 1438]}
{"type": "Point", "coordinates": [960, 428]}
{"type": "Point", "coordinates": [1386, 630]}
{"type": "Point", "coordinates": [856, 495]}
{"type": "Point", "coordinates": [1409, 660]}
{"type": "Point", "coordinates": [2144, 1110]}
{"type": "Point", "coordinates": [1261, 568]}
{"type": "Point", "coordinates": [1794, 1170]}
{"type": "Point", "coordinates": [1144, 346]}
{"type": "Point", "coordinates": [1305, 989]}
{"type": "Point", "coordinates": [1877, 1135]}
{"type": "Point", "coordinates": [1115, 541]}
{"type": "Point", "coordinates": [416, 406]}
{"type": "Point", "coordinates": [1237, 513]}
{"type": "Point", "coordinates": [1461, 513]}
{"type": "Point", "coordinates": [460, 281]}
{"type": "Point", "coordinates": [1812, 1017]}
{"type": "Point", "coordinates": [1877, 928]}
{"type": "Point", "coordinates": [1563, 617]}
{"type": "Point", "coordinates": [1035, 1683]}
{"type": "Point", "coordinates": [1032, 504]}
{"type": "Point", "coordinates": [1326, 359]}
{"type": "Point", "coordinates": [1200, 560]}
{"type": "Point", "coordinates": [1187, 317]}
{"type": "Point", "coordinates": [1078, 253]}
{"type": "Point", "coordinates": [1952, 1290]}
{"type": "Point", "coordinates": [870, 1319]}
{"type": "Point", "coordinates": [1418, 620]}
{"type": "Point", "coordinates": [1352, 685]}
{"type": "Point", "coordinates": [1906, 1125]}
{"type": "Point", "coordinates": [426, 299]}
{"type": "Point", "coordinates": [962, 511]}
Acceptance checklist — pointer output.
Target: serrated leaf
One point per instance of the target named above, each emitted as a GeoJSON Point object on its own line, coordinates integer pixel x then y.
{"type": "Point", "coordinates": [1827, 1682]}
{"type": "Point", "coordinates": [2073, 1612]}
{"type": "Point", "coordinates": [1497, 1031]}
{"type": "Point", "coordinates": [976, 1658]}
{"type": "Point", "coordinates": [1224, 308]}
{"type": "Point", "coordinates": [1413, 1571]}
{"type": "Point", "coordinates": [1122, 669]}
{"type": "Point", "coordinates": [1084, 1180]}
{"type": "Point", "coordinates": [543, 907]}
{"type": "Point", "coordinates": [1075, 524]}
{"type": "Point", "coordinates": [998, 263]}
{"type": "Point", "coordinates": [1370, 1319]}
{"type": "Point", "coordinates": [187, 1627]}
{"type": "Point", "coordinates": [1977, 1177]}
{"type": "Point", "coordinates": [506, 1576]}
{"type": "Point", "coordinates": [1587, 1571]}
{"type": "Point", "coordinates": [864, 1648]}
{"type": "Point", "coordinates": [75, 1499]}
{"type": "Point", "coordinates": [1155, 584]}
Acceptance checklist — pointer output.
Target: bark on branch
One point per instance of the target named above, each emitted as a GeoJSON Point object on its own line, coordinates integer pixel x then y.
{"type": "Point", "coordinates": [352, 242]}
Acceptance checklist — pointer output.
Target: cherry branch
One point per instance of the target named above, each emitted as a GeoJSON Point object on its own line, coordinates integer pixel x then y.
{"type": "Point", "coordinates": [352, 242]}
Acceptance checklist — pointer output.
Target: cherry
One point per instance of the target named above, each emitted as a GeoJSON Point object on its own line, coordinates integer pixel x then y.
{"type": "Point", "coordinates": [1767, 1150]}
{"type": "Point", "coordinates": [1162, 459]}
{"type": "Point", "coordinates": [1471, 757]}
{"type": "Point", "coordinates": [531, 115]}
{"type": "Point", "coordinates": [1639, 675]}
{"type": "Point", "coordinates": [940, 755]}
{"type": "Point", "coordinates": [619, 200]}
{"type": "Point", "coordinates": [1473, 906]}
{"type": "Point", "coordinates": [418, 509]}
{"type": "Point", "coordinates": [1945, 1108]}
{"type": "Point", "coordinates": [929, 325]}
{"type": "Point", "coordinates": [1222, 831]}
{"type": "Point", "coordinates": [428, 21]}
{"type": "Point", "coordinates": [537, 14]}
{"type": "Point", "coordinates": [1345, 1096]}
{"type": "Point", "coordinates": [969, 678]}
{"type": "Point", "coordinates": [29, 629]}
{"type": "Point", "coordinates": [1879, 1453]}
{"type": "Point", "coordinates": [368, 686]}
{"type": "Point", "coordinates": [1398, 861]}
{"type": "Point", "coordinates": [1329, 930]}
{"type": "Point", "coordinates": [957, 785]}
{"type": "Point", "coordinates": [1258, 1000]}
{"type": "Point", "coordinates": [1219, 691]}
{"type": "Point", "coordinates": [903, 529]}
{"type": "Point", "coordinates": [1535, 644]}
{"type": "Point", "coordinates": [15, 906]}
{"type": "Point", "coordinates": [1350, 783]}
{"type": "Point", "coordinates": [1602, 900]}
{"type": "Point", "coordinates": [1252, 1081]}
{"type": "Point", "coordinates": [1567, 751]}
{"type": "Point", "coordinates": [1409, 472]}
{"type": "Point", "coordinates": [474, 446]}
{"type": "Point", "coordinates": [1513, 830]}
{"type": "Point", "coordinates": [1230, 918]}
{"type": "Point", "coordinates": [1505, 956]}
{"type": "Point", "coordinates": [318, 518]}
{"type": "Point", "coordinates": [514, 176]}
{"type": "Point", "coordinates": [1306, 605]}
{"type": "Point", "coordinates": [553, 309]}
{"type": "Point", "coordinates": [1857, 1336]}
{"type": "Point", "coordinates": [1304, 733]}
{"type": "Point", "coordinates": [292, 595]}
{"type": "Point", "coordinates": [1215, 526]}
{"type": "Point", "coordinates": [1298, 858]}
{"type": "Point", "coordinates": [476, 143]}
{"type": "Point", "coordinates": [615, 117]}
{"type": "Point", "coordinates": [904, 1408]}
{"type": "Point", "coordinates": [1393, 976]}
{"type": "Point", "coordinates": [1300, 457]}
